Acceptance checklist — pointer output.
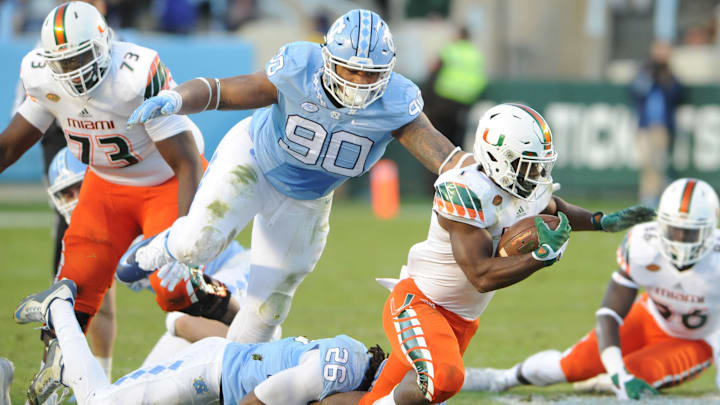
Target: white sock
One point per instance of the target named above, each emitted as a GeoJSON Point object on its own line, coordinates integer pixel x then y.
{"type": "Point", "coordinates": [164, 349]}
{"type": "Point", "coordinates": [543, 368]}
{"type": "Point", "coordinates": [106, 364]}
{"type": "Point", "coordinates": [511, 376]}
{"type": "Point", "coordinates": [82, 372]}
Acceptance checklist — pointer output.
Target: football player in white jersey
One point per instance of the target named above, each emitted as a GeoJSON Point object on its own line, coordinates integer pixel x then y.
{"type": "Point", "coordinates": [666, 336]}
{"type": "Point", "coordinates": [450, 278]}
{"type": "Point", "coordinates": [139, 179]}
{"type": "Point", "coordinates": [328, 113]}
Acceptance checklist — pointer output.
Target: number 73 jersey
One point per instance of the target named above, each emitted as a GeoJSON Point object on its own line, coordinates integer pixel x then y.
{"type": "Point", "coordinates": [304, 144]}
{"type": "Point", "coordinates": [685, 304]}
{"type": "Point", "coordinates": [94, 125]}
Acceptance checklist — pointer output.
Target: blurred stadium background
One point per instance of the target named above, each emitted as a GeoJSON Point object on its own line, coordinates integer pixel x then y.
{"type": "Point", "coordinates": [572, 60]}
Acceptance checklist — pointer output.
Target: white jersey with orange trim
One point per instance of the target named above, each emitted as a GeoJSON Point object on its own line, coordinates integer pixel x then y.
{"type": "Point", "coordinates": [94, 125]}
{"type": "Point", "coordinates": [465, 195]}
{"type": "Point", "coordinates": [685, 304]}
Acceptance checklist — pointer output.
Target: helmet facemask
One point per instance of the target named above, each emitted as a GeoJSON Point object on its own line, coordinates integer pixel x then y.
{"type": "Point", "coordinates": [65, 193]}
{"type": "Point", "coordinates": [684, 242]}
{"type": "Point", "coordinates": [350, 94]}
{"type": "Point", "coordinates": [529, 172]}
{"type": "Point", "coordinates": [79, 68]}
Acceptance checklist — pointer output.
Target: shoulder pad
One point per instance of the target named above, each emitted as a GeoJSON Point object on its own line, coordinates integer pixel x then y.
{"type": "Point", "coordinates": [640, 248]}
{"type": "Point", "coordinates": [461, 194]}
{"type": "Point", "coordinates": [140, 72]}
{"type": "Point", "coordinates": [403, 96]}
{"type": "Point", "coordinates": [290, 60]}
{"type": "Point", "coordinates": [34, 73]}
{"type": "Point", "coordinates": [342, 354]}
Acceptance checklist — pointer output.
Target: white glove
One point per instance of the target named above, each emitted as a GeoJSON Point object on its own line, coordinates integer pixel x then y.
{"type": "Point", "coordinates": [172, 273]}
{"type": "Point", "coordinates": [167, 102]}
{"type": "Point", "coordinates": [154, 255]}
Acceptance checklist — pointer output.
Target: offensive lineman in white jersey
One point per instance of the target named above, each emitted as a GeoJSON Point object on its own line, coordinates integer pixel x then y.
{"type": "Point", "coordinates": [433, 312]}
{"type": "Point", "coordinates": [665, 337]}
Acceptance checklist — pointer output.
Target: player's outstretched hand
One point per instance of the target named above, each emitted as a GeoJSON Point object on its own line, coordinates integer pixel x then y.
{"type": "Point", "coordinates": [172, 273]}
{"type": "Point", "coordinates": [627, 386]}
{"type": "Point", "coordinates": [626, 218]}
{"type": "Point", "coordinates": [167, 102]}
{"type": "Point", "coordinates": [551, 243]}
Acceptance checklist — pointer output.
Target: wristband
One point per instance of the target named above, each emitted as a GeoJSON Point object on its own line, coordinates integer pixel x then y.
{"type": "Point", "coordinates": [207, 83]}
{"type": "Point", "coordinates": [612, 359]}
{"type": "Point", "coordinates": [596, 220]}
{"type": "Point", "coordinates": [610, 312]}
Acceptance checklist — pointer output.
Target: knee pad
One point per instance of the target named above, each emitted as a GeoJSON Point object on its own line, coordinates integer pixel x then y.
{"type": "Point", "coordinates": [196, 248]}
{"type": "Point", "coordinates": [542, 368]}
{"type": "Point", "coordinates": [275, 308]}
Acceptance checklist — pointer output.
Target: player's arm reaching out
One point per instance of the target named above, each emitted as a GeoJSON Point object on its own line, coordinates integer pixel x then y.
{"type": "Point", "coordinates": [616, 304]}
{"type": "Point", "coordinates": [473, 251]}
{"type": "Point", "coordinates": [255, 90]}
{"type": "Point", "coordinates": [428, 145]}
{"type": "Point", "coordinates": [584, 220]}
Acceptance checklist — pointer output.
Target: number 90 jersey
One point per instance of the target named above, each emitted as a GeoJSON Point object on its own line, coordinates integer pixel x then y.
{"type": "Point", "coordinates": [304, 144]}
{"type": "Point", "coordinates": [685, 304]}
{"type": "Point", "coordinates": [343, 363]}
{"type": "Point", "coordinates": [94, 125]}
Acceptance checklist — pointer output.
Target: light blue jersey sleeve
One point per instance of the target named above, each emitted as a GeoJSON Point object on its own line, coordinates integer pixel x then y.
{"type": "Point", "coordinates": [343, 362]}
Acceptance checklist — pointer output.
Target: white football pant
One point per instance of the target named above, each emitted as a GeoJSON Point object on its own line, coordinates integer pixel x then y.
{"type": "Point", "coordinates": [288, 235]}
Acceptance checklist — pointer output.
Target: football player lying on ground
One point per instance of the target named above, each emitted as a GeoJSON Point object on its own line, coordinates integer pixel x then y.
{"type": "Point", "coordinates": [433, 312]}
{"type": "Point", "coordinates": [230, 268]}
{"type": "Point", "coordinates": [325, 113]}
{"type": "Point", "coordinates": [289, 371]}
{"type": "Point", "coordinates": [665, 337]}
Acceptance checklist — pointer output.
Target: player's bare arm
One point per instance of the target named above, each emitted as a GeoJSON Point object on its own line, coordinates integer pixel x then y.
{"type": "Point", "coordinates": [428, 145]}
{"type": "Point", "coordinates": [16, 139]}
{"type": "Point", "coordinates": [181, 155]}
{"type": "Point", "coordinates": [618, 300]}
{"type": "Point", "coordinates": [584, 220]}
{"type": "Point", "coordinates": [236, 93]}
{"type": "Point", "coordinates": [251, 399]}
{"type": "Point", "coordinates": [473, 251]}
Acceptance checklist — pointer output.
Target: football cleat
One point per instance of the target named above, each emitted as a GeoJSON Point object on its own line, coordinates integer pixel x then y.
{"type": "Point", "coordinates": [485, 379]}
{"type": "Point", "coordinates": [34, 307]}
{"type": "Point", "coordinates": [128, 270]}
{"type": "Point", "coordinates": [49, 378]}
{"type": "Point", "coordinates": [6, 377]}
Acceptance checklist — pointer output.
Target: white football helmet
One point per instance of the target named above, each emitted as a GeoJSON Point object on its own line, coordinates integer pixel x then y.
{"type": "Point", "coordinates": [687, 218]}
{"type": "Point", "coordinates": [76, 46]}
{"type": "Point", "coordinates": [513, 143]}
{"type": "Point", "coordinates": [65, 176]}
{"type": "Point", "coordinates": [358, 40]}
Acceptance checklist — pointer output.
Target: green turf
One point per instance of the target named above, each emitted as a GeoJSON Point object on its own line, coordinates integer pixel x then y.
{"type": "Point", "coordinates": [552, 309]}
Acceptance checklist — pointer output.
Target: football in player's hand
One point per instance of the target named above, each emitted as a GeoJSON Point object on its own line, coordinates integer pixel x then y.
{"type": "Point", "coordinates": [522, 237]}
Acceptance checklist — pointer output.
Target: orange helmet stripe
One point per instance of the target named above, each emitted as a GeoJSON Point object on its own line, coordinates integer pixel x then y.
{"type": "Point", "coordinates": [59, 27]}
{"type": "Point", "coordinates": [541, 123]}
{"type": "Point", "coordinates": [687, 196]}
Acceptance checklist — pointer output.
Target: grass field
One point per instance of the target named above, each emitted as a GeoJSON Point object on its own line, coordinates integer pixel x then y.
{"type": "Point", "coordinates": [552, 309]}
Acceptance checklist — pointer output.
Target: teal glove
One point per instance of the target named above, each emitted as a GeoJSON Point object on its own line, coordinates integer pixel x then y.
{"type": "Point", "coordinates": [623, 219]}
{"type": "Point", "coordinates": [551, 243]}
{"type": "Point", "coordinates": [627, 386]}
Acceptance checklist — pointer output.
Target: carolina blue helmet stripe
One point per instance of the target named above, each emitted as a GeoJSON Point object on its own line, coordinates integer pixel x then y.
{"type": "Point", "coordinates": [364, 34]}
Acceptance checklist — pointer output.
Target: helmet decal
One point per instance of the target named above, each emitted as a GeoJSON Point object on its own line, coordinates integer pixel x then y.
{"type": "Point", "coordinates": [499, 142]}
{"type": "Point", "coordinates": [59, 28]}
{"type": "Point", "coordinates": [364, 34]}
{"type": "Point", "coordinates": [687, 196]}
{"type": "Point", "coordinates": [547, 136]}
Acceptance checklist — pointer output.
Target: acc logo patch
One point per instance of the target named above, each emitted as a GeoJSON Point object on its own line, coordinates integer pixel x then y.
{"type": "Point", "coordinates": [200, 386]}
{"type": "Point", "coordinates": [53, 97]}
{"type": "Point", "coordinates": [652, 267]}
{"type": "Point", "coordinates": [309, 107]}
{"type": "Point", "coordinates": [497, 200]}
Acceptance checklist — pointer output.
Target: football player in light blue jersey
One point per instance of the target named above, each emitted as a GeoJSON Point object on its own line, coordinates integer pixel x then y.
{"type": "Point", "coordinates": [211, 371]}
{"type": "Point", "coordinates": [325, 113]}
